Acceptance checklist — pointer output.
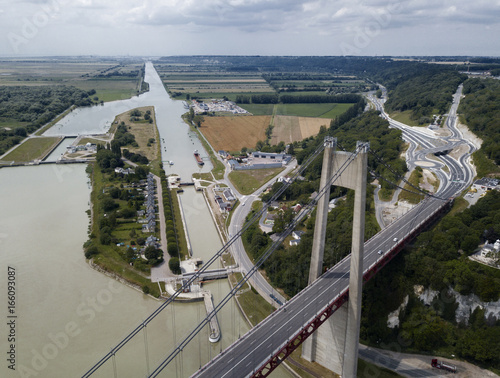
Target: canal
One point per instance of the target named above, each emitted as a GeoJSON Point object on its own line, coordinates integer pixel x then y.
{"type": "Point", "coordinates": [69, 315]}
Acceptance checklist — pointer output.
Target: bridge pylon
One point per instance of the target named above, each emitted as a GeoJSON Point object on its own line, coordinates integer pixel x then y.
{"type": "Point", "coordinates": [335, 344]}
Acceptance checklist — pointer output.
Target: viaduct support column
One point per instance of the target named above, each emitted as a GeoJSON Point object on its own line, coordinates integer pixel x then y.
{"type": "Point", "coordinates": [356, 275]}
{"type": "Point", "coordinates": [309, 347]}
{"type": "Point", "coordinates": [335, 344]}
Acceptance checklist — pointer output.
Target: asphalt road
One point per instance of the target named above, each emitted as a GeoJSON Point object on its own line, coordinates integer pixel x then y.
{"type": "Point", "coordinates": [237, 249]}
{"type": "Point", "coordinates": [264, 340]}
{"type": "Point", "coordinates": [255, 348]}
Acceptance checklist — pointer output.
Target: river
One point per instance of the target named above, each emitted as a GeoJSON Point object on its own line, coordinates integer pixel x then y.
{"type": "Point", "coordinates": [67, 315]}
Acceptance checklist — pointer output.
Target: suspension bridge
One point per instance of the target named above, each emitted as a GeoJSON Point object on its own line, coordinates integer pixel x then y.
{"type": "Point", "coordinates": [264, 347]}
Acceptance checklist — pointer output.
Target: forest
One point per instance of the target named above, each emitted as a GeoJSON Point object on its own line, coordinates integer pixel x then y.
{"type": "Point", "coordinates": [34, 107]}
{"type": "Point", "coordinates": [425, 92]}
{"type": "Point", "coordinates": [438, 259]}
{"type": "Point", "coordinates": [480, 111]}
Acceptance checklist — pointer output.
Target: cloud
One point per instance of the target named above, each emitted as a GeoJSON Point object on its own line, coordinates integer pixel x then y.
{"type": "Point", "coordinates": [319, 25]}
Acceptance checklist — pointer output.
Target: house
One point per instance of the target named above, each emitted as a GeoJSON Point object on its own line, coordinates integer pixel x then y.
{"type": "Point", "coordinates": [152, 241]}
{"type": "Point", "coordinates": [297, 234]}
{"type": "Point", "coordinates": [141, 213]}
{"type": "Point", "coordinates": [486, 183]}
{"type": "Point", "coordinates": [332, 204]}
{"type": "Point", "coordinates": [274, 204]}
{"type": "Point", "coordinates": [224, 206]}
{"type": "Point", "coordinates": [297, 208]}
{"type": "Point", "coordinates": [263, 157]}
{"type": "Point", "coordinates": [270, 219]}
{"type": "Point", "coordinates": [489, 250]}
{"type": "Point", "coordinates": [149, 227]}
{"type": "Point", "coordinates": [228, 195]}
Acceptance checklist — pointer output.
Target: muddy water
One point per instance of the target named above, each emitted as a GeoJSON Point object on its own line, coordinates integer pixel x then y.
{"type": "Point", "coordinates": [67, 315]}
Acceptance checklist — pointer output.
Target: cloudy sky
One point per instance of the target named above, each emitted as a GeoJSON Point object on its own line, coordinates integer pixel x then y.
{"type": "Point", "coordinates": [249, 27]}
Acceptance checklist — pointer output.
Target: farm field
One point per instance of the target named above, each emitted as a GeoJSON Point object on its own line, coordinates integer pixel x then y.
{"type": "Point", "coordinates": [207, 84]}
{"type": "Point", "coordinates": [72, 72]}
{"type": "Point", "coordinates": [223, 87]}
{"type": "Point", "coordinates": [312, 110]}
{"type": "Point", "coordinates": [258, 109]}
{"type": "Point", "coordinates": [234, 132]}
{"type": "Point", "coordinates": [301, 110]}
{"type": "Point", "coordinates": [289, 129]}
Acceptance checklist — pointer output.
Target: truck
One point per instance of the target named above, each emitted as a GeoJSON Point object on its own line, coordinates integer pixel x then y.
{"type": "Point", "coordinates": [435, 363]}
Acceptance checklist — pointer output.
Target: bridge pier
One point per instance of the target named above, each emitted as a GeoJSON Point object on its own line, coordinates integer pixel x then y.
{"type": "Point", "coordinates": [335, 344]}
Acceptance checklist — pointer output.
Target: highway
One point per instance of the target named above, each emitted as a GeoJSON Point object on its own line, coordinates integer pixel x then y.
{"type": "Point", "coordinates": [459, 171]}
{"type": "Point", "coordinates": [265, 340]}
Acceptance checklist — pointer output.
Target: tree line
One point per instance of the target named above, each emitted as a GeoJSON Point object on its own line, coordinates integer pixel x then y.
{"type": "Point", "coordinates": [171, 227]}
{"type": "Point", "coordinates": [296, 99]}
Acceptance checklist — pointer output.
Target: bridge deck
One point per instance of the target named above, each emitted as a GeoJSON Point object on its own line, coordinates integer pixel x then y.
{"type": "Point", "coordinates": [267, 344]}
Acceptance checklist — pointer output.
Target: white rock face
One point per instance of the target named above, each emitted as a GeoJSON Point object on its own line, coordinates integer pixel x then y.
{"type": "Point", "coordinates": [466, 303]}
{"type": "Point", "coordinates": [393, 318]}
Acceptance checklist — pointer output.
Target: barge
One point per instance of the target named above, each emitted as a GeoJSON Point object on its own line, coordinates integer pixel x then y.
{"type": "Point", "coordinates": [198, 158]}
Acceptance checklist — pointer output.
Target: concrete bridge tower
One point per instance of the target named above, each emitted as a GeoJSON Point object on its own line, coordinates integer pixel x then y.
{"type": "Point", "coordinates": [335, 344]}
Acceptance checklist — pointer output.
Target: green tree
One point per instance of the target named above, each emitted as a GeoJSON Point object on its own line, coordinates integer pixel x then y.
{"type": "Point", "coordinates": [172, 249]}
{"type": "Point", "coordinates": [174, 265]}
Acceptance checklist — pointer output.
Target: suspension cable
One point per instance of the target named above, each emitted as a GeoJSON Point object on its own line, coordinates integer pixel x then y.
{"type": "Point", "coordinates": [214, 258]}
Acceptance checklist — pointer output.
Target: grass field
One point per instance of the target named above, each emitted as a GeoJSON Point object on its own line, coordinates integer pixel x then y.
{"type": "Point", "coordinates": [410, 194]}
{"type": "Point", "coordinates": [234, 133]}
{"type": "Point", "coordinates": [143, 132]}
{"type": "Point", "coordinates": [33, 148]}
{"type": "Point", "coordinates": [11, 123]}
{"type": "Point", "coordinates": [108, 89]}
{"type": "Point", "coordinates": [246, 182]}
{"type": "Point", "coordinates": [84, 141]}
{"type": "Point", "coordinates": [313, 110]}
{"type": "Point", "coordinates": [404, 117]}
{"type": "Point", "coordinates": [258, 109]}
{"type": "Point", "coordinates": [301, 110]}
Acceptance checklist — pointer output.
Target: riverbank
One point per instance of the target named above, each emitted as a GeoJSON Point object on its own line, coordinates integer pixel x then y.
{"type": "Point", "coordinates": [111, 257]}
{"type": "Point", "coordinates": [124, 238]}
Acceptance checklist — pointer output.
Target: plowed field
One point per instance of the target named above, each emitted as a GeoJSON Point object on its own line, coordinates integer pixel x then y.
{"type": "Point", "coordinates": [234, 133]}
{"type": "Point", "coordinates": [289, 129]}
